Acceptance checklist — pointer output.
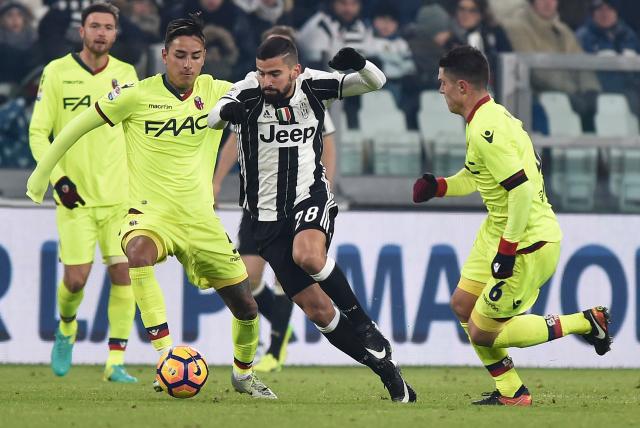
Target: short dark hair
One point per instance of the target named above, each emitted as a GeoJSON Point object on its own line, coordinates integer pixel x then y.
{"type": "Point", "coordinates": [100, 7]}
{"type": "Point", "coordinates": [191, 26]}
{"type": "Point", "coordinates": [467, 63]}
{"type": "Point", "coordinates": [278, 46]}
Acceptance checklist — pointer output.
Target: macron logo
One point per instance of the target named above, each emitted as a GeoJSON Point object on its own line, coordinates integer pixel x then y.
{"type": "Point", "coordinates": [161, 106]}
{"type": "Point", "coordinates": [488, 136]}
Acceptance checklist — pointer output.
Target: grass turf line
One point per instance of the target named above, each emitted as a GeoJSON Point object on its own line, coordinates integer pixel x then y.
{"type": "Point", "coordinates": [31, 396]}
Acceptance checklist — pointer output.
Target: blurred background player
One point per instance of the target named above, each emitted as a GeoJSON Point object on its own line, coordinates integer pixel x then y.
{"type": "Point", "coordinates": [279, 113]}
{"type": "Point", "coordinates": [90, 184]}
{"type": "Point", "coordinates": [517, 247]}
{"type": "Point", "coordinates": [171, 156]}
{"type": "Point", "coordinates": [274, 305]}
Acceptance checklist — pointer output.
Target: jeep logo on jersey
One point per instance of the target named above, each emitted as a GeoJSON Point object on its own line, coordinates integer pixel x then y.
{"type": "Point", "coordinates": [75, 102]}
{"type": "Point", "coordinates": [287, 135]}
{"type": "Point", "coordinates": [189, 125]}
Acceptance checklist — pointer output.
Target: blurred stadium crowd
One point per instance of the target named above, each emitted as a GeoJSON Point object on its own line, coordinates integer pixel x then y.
{"type": "Point", "coordinates": [406, 38]}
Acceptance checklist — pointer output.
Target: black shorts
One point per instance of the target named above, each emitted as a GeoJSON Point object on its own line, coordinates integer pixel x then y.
{"type": "Point", "coordinates": [246, 242]}
{"type": "Point", "coordinates": [275, 239]}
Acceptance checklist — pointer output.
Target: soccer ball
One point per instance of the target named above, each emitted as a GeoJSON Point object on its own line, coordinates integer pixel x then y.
{"type": "Point", "coordinates": [182, 372]}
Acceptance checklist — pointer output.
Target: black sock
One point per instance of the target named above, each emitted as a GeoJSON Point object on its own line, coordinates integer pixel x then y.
{"type": "Point", "coordinates": [343, 337]}
{"type": "Point", "coordinates": [338, 289]}
{"type": "Point", "coordinates": [280, 316]}
{"type": "Point", "coordinates": [264, 299]}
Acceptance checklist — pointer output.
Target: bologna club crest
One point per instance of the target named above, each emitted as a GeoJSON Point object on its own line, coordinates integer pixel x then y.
{"type": "Point", "coordinates": [199, 103]}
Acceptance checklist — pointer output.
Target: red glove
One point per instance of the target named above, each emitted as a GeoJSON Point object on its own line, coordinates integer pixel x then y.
{"type": "Point", "coordinates": [427, 187]}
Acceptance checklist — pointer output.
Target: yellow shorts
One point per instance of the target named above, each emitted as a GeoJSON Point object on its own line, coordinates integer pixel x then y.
{"type": "Point", "coordinates": [505, 298]}
{"type": "Point", "coordinates": [80, 229]}
{"type": "Point", "coordinates": [201, 245]}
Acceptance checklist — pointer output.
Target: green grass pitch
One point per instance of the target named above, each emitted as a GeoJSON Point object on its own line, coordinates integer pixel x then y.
{"type": "Point", "coordinates": [31, 396]}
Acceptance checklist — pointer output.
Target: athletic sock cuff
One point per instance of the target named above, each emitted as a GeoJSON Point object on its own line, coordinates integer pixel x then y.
{"type": "Point", "coordinates": [250, 322]}
{"type": "Point", "coordinates": [157, 332]}
{"type": "Point", "coordinates": [332, 325]}
{"type": "Point", "coordinates": [554, 327]}
{"type": "Point", "coordinates": [501, 367]}
{"type": "Point", "coordinates": [326, 270]}
{"type": "Point", "coordinates": [141, 272]}
{"type": "Point", "coordinates": [116, 344]}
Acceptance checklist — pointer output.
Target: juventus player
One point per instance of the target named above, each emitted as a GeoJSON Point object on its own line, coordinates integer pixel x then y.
{"type": "Point", "coordinates": [278, 112]}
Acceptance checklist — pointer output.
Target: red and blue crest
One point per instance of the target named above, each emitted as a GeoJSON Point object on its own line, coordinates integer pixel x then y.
{"type": "Point", "coordinates": [199, 103]}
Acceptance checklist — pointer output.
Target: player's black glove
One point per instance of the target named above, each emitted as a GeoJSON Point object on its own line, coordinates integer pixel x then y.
{"type": "Point", "coordinates": [347, 58]}
{"type": "Point", "coordinates": [427, 187]}
{"type": "Point", "coordinates": [68, 193]}
{"type": "Point", "coordinates": [505, 259]}
{"type": "Point", "coordinates": [233, 112]}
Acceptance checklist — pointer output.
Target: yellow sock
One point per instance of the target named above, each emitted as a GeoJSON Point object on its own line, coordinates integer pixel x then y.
{"type": "Point", "coordinates": [121, 310]}
{"type": "Point", "coordinates": [529, 330]}
{"type": "Point", "coordinates": [151, 303]}
{"type": "Point", "coordinates": [500, 367]}
{"type": "Point", "coordinates": [68, 304]}
{"type": "Point", "coordinates": [574, 324]}
{"type": "Point", "coordinates": [245, 335]}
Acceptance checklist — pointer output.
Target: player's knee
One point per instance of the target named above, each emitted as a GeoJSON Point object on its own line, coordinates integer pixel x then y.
{"type": "Point", "coordinates": [244, 308]}
{"type": "Point", "coordinates": [141, 251]}
{"type": "Point", "coordinates": [309, 261]}
{"type": "Point", "coordinates": [140, 259]}
{"type": "Point", "coordinates": [74, 282]}
{"type": "Point", "coordinates": [479, 337]}
{"type": "Point", "coordinates": [319, 313]}
{"type": "Point", "coordinates": [119, 273]}
{"type": "Point", "coordinates": [460, 309]}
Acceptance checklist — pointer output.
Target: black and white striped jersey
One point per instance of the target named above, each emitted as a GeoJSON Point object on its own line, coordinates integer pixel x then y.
{"type": "Point", "coordinates": [280, 147]}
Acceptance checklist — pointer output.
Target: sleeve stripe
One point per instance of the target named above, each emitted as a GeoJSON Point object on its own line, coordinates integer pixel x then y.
{"type": "Point", "coordinates": [514, 181]}
{"type": "Point", "coordinates": [531, 248]}
{"type": "Point", "coordinates": [340, 87]}
{"type": "Point", "coordinates": [324, 27]}
{"type": "Point", "coordinates": [325, 89]}
{"type": "Point", "coordinates": [325, 84]}
{"type": "Point", "coordinates": [103, 116]}
{"type": "Point", "coordinates": [248, 94]}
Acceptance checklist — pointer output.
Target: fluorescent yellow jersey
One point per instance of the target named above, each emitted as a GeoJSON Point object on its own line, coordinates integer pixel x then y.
{"type": "Point", "coordinates": [500, 157]}
{"type": "Point", "coordinates": [171, 151]}
{"type": "Point", "coordinates": [97, 164]}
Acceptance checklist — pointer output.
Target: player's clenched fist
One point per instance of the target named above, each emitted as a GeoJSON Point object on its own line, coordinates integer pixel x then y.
{"type": "Point", "coordinates": [68, 193]}
{"type": "Point", "coordinates": [427, 187]}
{"type": "Point", "coordinates": [504, 261]}
{"type": "Point", "coordinates": [233, 112]}
{"type": "Point", "coordinates": [347, 58]}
